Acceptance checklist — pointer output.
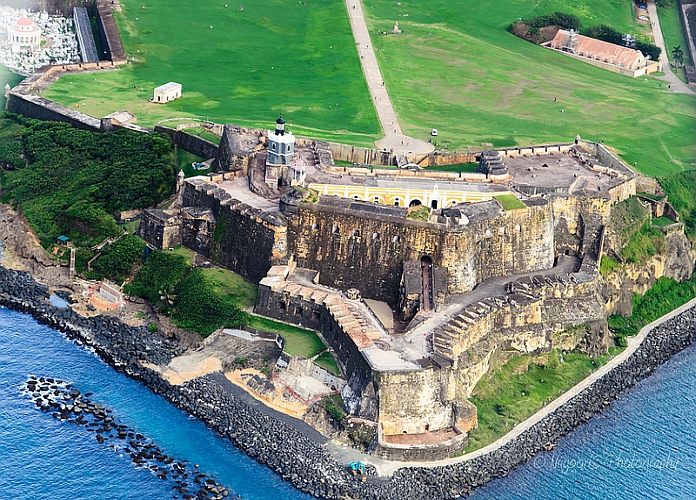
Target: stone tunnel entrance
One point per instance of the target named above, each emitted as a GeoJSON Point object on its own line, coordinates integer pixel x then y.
{"type": "Point", "coordinates": [427, 303]}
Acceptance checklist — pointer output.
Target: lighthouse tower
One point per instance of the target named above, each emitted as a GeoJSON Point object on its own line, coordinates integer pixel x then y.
{"type": "Point", "coordinates": [281, 155]}
{"type": "Point", "coordinates": [281, 146]}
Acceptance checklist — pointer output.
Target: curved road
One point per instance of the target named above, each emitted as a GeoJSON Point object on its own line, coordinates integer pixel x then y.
{"type": "Point", "coordinates": [676, 84]}
{"type": "Point", "coordinates": [393, 137]}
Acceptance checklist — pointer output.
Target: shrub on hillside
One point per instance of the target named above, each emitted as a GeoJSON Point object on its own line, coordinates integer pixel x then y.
{"type": "Point", "coordinates": [116, 260]}
{"type": "Point", "coordinates": [199, 308]}
{"type": "Point", "coordinates": [68, 181]}
{"type": "Point", "coordinates": [680, 189]}
{"type": "Point", "coordinates": [158, 277]}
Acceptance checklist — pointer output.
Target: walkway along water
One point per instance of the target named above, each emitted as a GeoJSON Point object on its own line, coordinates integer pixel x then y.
{"type": "Point", "coordinates": [307, 464]}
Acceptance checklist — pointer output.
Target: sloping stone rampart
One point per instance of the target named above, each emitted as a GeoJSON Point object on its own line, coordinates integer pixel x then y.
{"type": "Point", "coordinates": [191, 143]}
{"type": "Point", "coordinates": [246, 240]}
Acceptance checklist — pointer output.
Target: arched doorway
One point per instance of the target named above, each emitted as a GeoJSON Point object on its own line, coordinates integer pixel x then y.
{"type": "Point", "coordinates": [433, 204]}
{"type": "Point", "coordinates": [415, 203]}
{"type": "Point", "coordinates": [427, 302]}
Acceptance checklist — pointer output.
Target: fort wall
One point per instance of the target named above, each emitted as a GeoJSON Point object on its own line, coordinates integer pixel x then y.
{"type": "Point", "coordinates": [191, 143]}
{"type": "Point", "coordinates": [246, 240]}
{"type": "Point", "coordinates": [356, 249]}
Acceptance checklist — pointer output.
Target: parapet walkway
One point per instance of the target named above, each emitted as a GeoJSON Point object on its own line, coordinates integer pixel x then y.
{"type": "Point", "coordinates": [394, 138]}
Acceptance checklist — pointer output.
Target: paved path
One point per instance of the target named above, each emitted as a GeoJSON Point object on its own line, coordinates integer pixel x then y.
{"type": "Point", "coordinates": [387, 468]}
{"type": "Point", "coordinates": [676, 84]}
{"type": "Point", "coordinates": [393, 137]}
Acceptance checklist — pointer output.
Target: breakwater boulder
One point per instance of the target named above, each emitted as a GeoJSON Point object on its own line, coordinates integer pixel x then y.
{"type": "Point", "coordinates": [68, 404]}
{"type": "Point", "coordinates": [293, 454]}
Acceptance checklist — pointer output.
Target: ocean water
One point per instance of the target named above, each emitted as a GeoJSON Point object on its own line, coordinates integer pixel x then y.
{"type": "Point", "coordinates": [43, 458]}
{"type": "Point", "coordinates": [644, 446]}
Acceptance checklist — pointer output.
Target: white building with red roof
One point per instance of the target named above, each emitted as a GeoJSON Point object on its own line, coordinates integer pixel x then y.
{"type": "Point", "coordinates": [616, 58]}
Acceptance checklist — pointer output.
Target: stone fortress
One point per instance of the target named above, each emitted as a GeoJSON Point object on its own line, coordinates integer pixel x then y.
{"type": "Point", "coordinates": [470, 287]}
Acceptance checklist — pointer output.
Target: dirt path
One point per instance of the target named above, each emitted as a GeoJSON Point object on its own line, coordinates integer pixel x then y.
{"type": "Point", "coordinates": [675, 83]}
{"type": "Point", "coordinates": [393, 136]}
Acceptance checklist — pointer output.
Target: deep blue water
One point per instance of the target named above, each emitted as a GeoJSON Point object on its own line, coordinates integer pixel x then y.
{"type": "Point", "coordinates": [642, 447]}
{"type": "Point", "coordinates": [43, 458]}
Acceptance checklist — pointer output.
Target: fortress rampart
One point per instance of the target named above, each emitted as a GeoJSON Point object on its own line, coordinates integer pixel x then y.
{"type": "Point", "coordinates": [351, 247]}
{"type": "Point", "coordinates": [246, 240]}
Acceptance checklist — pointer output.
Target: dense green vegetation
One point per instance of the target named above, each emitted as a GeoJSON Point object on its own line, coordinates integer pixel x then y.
{"type": "Point", "coordinates": [664, 296]}
{"type": "Point", "coordinates": [509, 394]}
{"type": "Point", "coordinates": [116, 260]}
{"type": "Point", "coordinates": [70, 181]}
{"type": "Point", "coordinates": [645, 243]}
{"type": "Point", "coordinates": [567, 21]}
{"type": "Point", "coordinates": [608, 264]}
{"type": "Point", "coordinates": [196, 299]}
{"type": "Point", "coordinates": [158, 277]}
{"type": "Point", "coordinates": [203, 299]}
{"type": "Point", "coordinates": [198, 306]}
{"type": "Point", "coordinates": [681, 193]}
{"type": "Point", "coordinates": [509, 202]}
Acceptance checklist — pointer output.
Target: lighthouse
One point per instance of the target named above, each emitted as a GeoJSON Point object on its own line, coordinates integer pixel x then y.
{"type": "Point", "coordinates": [281, 145]}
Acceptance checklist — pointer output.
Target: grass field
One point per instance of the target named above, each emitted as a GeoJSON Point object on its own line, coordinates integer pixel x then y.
{"type": "Point", "coordinates": [509, 202]}
{"type": "Point", "coordinates": [242, 292]}
{"type": "Point", "coordinates": [673, 34]}
{"type": "Point", "coordinates": [457, 69]}
{"type": "Point", "coordinates": [298, 340]}
{"type": "Point", "coordinates": [456, 167]}
{"type": "Point", "coordinates": [508, 395]}
{"type": "Point", "coordinates": [662, 221]}
{"type": "Point", "coordinates": [454, 68]}
{"type": "Point", "coordinates": [326, 360]}
{"type": "Point", "coordinates": [298, 59]}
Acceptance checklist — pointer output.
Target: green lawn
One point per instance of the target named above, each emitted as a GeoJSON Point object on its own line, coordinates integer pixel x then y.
{"type": "Point", "coordinates": [509, 202]}
{"type": "Point", "coordinates": [298, 340]}
{"type": "Point", "coordinates": [672, 31]}
{"type": "Point", "coordinates": [508, 395]}
{"type": "Point", "coordinates": [203, 134]}
{"type": "Point", "coordinates": [184, 159]}
{"type": "Point", "coordinates": [242, 292]}
{"type": "Point", "coordinates": [298, 59]}
{"type": "Point", "coordinates": [662, 221]}
{"type": "Point", "coordinates": [326, 360]}
{"type": "Point", "coordinates": [456, 167]}
{"type": "Point", "coordinates": [457, 69]}
{"type": "Point", "coordinates": [185, 252]}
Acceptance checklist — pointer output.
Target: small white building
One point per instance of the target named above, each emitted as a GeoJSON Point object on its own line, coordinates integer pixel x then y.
{"type": "Point", "coordinates": [167, 92]}
{"type": "Point", "coordinates": [24, 33]}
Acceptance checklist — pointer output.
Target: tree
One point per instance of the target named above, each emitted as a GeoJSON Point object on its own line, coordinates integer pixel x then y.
{"type": "Point", "coordinates": [678, 56]}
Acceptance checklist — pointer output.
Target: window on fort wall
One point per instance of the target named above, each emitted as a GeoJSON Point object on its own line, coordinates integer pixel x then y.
{"type": "Point", "coordinates": [375, 236]}
{"type": "Point", "coordinates": [315, 315]}
{"type": "Point", "coordinates": [334, 229]}
{"type": "Point", "coordinates": [356, 233]}
{"type": "Point", "coordinates": [282, 305]}
{"type": "Point", "coordinates": [299, 311]}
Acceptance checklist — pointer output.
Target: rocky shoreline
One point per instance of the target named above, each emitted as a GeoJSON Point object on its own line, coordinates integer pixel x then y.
{"type": "Point", "coordinates": [293, 455]}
